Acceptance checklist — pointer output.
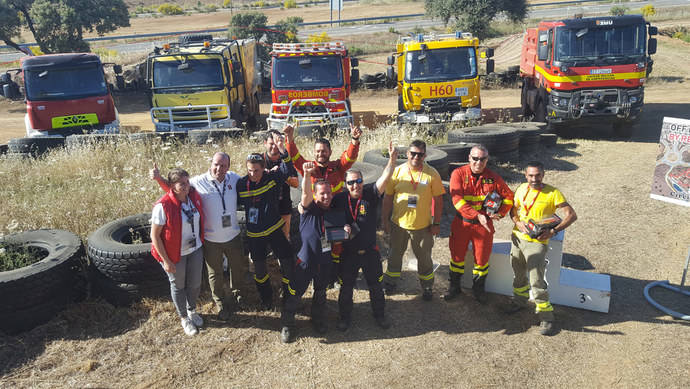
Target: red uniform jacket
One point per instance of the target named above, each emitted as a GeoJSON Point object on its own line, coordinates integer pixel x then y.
{"type": "Point", "coordinates": [468, 193]}
{"type": "Point", "coordinates": [172, 230]}
{"type": "Point", "coordinates": [335, 170]}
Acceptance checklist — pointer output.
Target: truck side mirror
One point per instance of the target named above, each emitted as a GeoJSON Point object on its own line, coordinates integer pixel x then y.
{"type": "Point", "coordinates": [653, 30]}
{"type": "Point", "coordinates": [651, 46]}
{"type": "Point", "coordinates": [390, 60]}
{"type": "Point", "coordinates": [117, 69]}
{"type": "Point", "coordinates": [490, 65]}
{"type": "Point", "coordinates": [390, 74]}
{"type": "Point", "coordinates": [489, 52]}
{"type": "Point", "coordinates": [354, 62]}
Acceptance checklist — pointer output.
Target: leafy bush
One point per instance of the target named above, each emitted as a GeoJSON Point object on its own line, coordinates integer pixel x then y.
{"type": "Point", "coordinates": [290, 4]}
{"type": "Point", "coordinates": [227, 3]}
{"type": "Point", "coordinates": [618, 10]}
{"type": "Point", "coordinates": [323, 37]}
{"type": "Point", "coordinates": [170, 9]}
{"type": "Point", "coordinates": [648, 10]}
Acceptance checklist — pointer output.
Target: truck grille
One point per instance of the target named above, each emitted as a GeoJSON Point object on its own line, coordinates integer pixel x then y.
{"type": "Point", "coordinates": [442, 104]}
{"type": "Point", "coordinates": [297, 109]}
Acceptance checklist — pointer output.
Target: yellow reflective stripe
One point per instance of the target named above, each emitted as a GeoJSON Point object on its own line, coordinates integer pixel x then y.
{"type": "Point", "coordinates": [481, 267]}
{"type": "Point", "coordinates": [426, 277]}
{"type": "Point", "coordinates": [459, 204]}
{"type": "Point", "coordinates": [267, 232]}
{"type": "Point", "coordinates": [481, 270]}
{"type": "Point", "coordinates": [589, 77]}
{"type": "Point", "coordinates": [508, 202]}
{"type": "Point", "coordinates": [457, 268]}
{"type": "Point", "coordinates": [337, 187]}
{"type": "Point", "coordinates": [258, 191]}
{"type": "Point", "coordinates": [474, 198]}
{"type": "Point", "coordinates": [544, 307]}
{"type": "Point", "coordinates": [286, 159]}
{"type": "Point", "coordinates": [522, 291]}
{"type": "Point", "coordinates": [334, 255]}
{"type": "Point", "coordinates": [347, 158]}
{"type": "Point", "coordinates": [285, 281]}
{"type": "Point", "coordinates": [336, 260]}
{"type": "Point", "coordinates": [292, 291]}
{"type": "Point", "coordinates": [262, 280]}
{"type": "Point", "coordinates": [478, 207]}
{"type": "Point", "coordinates": [380, 278]}
{"type": "Point", "coordinates": [296, 157]}
{"type": "Point", "coordinates": [392, 274]}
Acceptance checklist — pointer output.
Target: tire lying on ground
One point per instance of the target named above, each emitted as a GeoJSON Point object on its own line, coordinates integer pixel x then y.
{"type": "Point", "coordinates": [438, 159]}
{"type": "Point", "coordinates": [35, 146]}
{"type": "Point", "coordinates": [124, 294]}
{"type": "Point", "coordinates": [201, 137]}
{"type": "Point", "coordinates": [3, 149]}
{"type": "Point", "coordinates": [457, 152]}
{"type": "Point", "coordinates": [31, 295]}
{"type": "Point", "coordinates": [496, 138]}
{"type": "Point", "coordinates": [548, 139]}
{"type": "Point", "coordinates": [529, 134]}
{"type": "Point", "coordinates": [121, 250]}
{"type": "Point", "coordinates": [80, 140]}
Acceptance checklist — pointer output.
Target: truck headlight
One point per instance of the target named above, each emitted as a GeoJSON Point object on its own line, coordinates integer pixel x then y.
{"type": "Point", "coordinates": [633, 99]}
{"type": "Point", "coordinates": [559, 101]}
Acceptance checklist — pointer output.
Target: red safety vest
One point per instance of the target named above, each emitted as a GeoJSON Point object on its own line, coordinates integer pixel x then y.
{"type": "Point", "coordinates": [172, 230]}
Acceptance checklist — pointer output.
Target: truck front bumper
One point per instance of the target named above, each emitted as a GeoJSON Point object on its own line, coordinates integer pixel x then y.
{"type": "Point", "coordinates": [472, 113]}
{"type": "Point", "coordinates": [610, 103]}
{"type": "Point", "coordinates": [164, 118]}
{"type": "Point", "coordinates": [316, 113]}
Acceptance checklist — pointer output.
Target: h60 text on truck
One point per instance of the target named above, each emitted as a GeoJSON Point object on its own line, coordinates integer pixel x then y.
{"type": "Point", "coordinates": [204, 83]}
{"type": "Point", "coordinates": [438, 77]}
{"type": "Point", "coordinates": [587, 68]}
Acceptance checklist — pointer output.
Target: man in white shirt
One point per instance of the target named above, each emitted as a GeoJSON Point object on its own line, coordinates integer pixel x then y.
{"type": "Point", "coordinates": [221, 230]}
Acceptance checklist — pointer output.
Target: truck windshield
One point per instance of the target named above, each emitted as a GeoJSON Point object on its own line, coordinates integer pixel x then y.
{"type": "Point", "coordinates": [594, 43]}
{"type": "Point", "coordinates": [307, 72]}
{"type": "Point", "coordinates": [192, 73]}
{"type": "Point", "coordinates": [66, 83]}
{"type": "Point", "coordinates": [441, 64]}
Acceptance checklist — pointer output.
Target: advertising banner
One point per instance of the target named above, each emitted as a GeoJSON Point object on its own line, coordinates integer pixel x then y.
{"type": "Point", "coordinates": [671, 182]}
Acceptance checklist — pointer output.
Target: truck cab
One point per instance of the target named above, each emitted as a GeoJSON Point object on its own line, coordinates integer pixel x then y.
{"type": "Point", "coordinates": [204, 83]}
{"type": "Point", "coordinates": [67, 94]}
{"type": "Point", "coordinates": [438, 77]}
{"type": "Point", "coordinates": [311, 84]}
{"type": "Point", "coordinates": [587, 68]}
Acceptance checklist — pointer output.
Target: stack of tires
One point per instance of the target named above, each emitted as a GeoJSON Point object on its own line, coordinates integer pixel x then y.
{"type": "Point", "coordinates": [86, 140]}
{"type": "Point", "coordinates": [33, 294]}
{"type": "Point", "coordinates": [123, 269]}
{"type": "Point", "coordinates": [33, 147]}
{"type": "Point", "coordinates": [502, 141]}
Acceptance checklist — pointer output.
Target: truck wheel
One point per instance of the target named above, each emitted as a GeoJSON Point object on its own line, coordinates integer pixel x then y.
{"type": "Point", "coordinates": [526, 111]}
{"type": "Point", "coordinates": [401, 105]}
{"type": "Point", "coordinates": [35, 146]}
{"type": "Point", "coordinates": [121, 250]}
{"type": "Point", "coordinates": [495, 137]}
{"type": "Point", "coordinates": [3, 149]}
{"type": "Point", "coordinates": [540, 111]}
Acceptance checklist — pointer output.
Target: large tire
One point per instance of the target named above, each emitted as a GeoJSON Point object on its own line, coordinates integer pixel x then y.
{"type": "Point", "coordinates": [53, 278]}
{"type": "Point", "coordinates": [529, 134]}
{"type": "Point", "coordinates": [201, 137]}
{"type": "Point", "coordinates": [20, 320]}
{"type": "Point", "coordinates": [457, 152]}
{"type": "Point", "coordinates": [539, 111]}
{"type": "Point", "coordinates": [77, 141]}
{"type": "Point", "coordinates": [112, 251]}
{"type": "Point", "coordinates": [496, 138]}
{"type": "Point", "coordinates": [524, 104]}
{"type": "Point", "coordinates": [3, 149]}
{"type": "Point", "coordinates": [548, 140]}
{"type": "Point", "coordinates": [436, 158]}
{"type": "Point", "coordinates": [123, 294]}
{"type": "Point", "coordinates": [35, 146]}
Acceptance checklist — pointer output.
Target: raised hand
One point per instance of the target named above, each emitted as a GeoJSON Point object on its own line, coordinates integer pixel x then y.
{"type": "Point", "coordinates": [154, 173]}
{"type": "Point", "coordinates": [289, 132]}
{"type": "Point", "coordinates": [279, 142]}
{"type": "Point", "coordinates": [355, 132]}
{"type": "Point", "coordinates": [309, 168]}
{"type": "Point", "coordinates": [392, 152]}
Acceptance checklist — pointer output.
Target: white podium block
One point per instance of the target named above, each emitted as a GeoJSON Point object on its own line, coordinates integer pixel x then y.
{"type": "Point", "coordinates": [570, 287]}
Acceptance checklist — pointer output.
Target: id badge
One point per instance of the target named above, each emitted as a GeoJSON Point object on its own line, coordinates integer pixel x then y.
{"type": "Point", "coordinates": [325, 245]}
{"type": "Point", "coordinates": [227, 221]}
{"type": "Point", "coordinates": [191, 243]}
{"type": "Point", "coordinates": [412, 201]}
{"type": "Point", "coordinates": [253, 215]}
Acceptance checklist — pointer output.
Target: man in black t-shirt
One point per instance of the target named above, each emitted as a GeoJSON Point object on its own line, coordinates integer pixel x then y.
{"type": "Point", "coordinates": [360, 203]}
{"type": "Point", "coordinates": [314, 258]}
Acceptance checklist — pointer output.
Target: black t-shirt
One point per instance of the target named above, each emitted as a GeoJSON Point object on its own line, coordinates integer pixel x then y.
{"type": "Point", "coordinates": [365, 209]}
{"type": "Point", "coordinates": [285, 189]}
{"type": "Point", "coordinates": [311, 229]}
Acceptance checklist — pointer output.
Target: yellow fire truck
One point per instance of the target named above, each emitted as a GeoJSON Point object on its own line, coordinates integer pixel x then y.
{"type": "Point", "coordinates": [438, 77]}
{"type": "Point", "coordinates": [201, 82]}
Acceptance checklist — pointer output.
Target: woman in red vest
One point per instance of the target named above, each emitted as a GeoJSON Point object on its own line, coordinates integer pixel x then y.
{"type": "Point", "coordinates": [176, 238]}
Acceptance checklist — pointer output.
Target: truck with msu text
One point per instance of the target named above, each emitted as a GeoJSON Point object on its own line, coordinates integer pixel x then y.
{"type": "Point", "coordinates": [587, 68]}
{"type": "Point", "coordinates": [438, 77]}
{"type": "Point", "coordinates": [311, 85]}
{"type": "Point", "coordinates": [204, 83]}
{"type": "Point", "coordinates": [65, 94]}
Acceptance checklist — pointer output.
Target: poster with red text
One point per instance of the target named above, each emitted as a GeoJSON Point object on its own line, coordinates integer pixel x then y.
{"type": "Point", "coordinates": [671, 182]}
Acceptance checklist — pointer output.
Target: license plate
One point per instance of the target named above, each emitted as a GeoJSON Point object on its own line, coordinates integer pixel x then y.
{"type": "Point", "coordinates": [84, 119]}
{"type": "Point", "coordinates": [461, 91]}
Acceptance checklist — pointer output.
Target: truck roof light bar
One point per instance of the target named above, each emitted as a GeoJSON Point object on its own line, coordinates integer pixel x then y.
{"type": "Point", "coordinates": [434, 37]}
{"type": "Point", "coordinates": [311, 47]}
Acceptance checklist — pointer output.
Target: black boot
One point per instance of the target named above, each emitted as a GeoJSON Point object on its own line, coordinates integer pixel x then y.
{"type": "Point", "coordinates": [266, 294]}
{"type": "Point", "coordinates": [454, 290]}
{"type": "Point", "coordinates": [343, 323]}
{"type": "Point", "coordinates": [318, 311]}
{"type": "Point", "coordinates": [478, 289]}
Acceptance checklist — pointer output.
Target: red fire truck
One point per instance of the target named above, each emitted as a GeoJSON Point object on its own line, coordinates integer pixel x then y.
{"type": "Point", "coordinates": [66, 94]}
{"type": "Point", "coordinates": [587, 68]}
{"type": "Point", "coordinates": [310, 85]}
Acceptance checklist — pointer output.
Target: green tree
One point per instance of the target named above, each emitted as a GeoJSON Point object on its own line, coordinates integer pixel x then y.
{"type": "Point", "coordinates": [618, 10]}
{"type": "Point", "coordinates": [247, 25]}
{"type": "Point", "coordinates": [253, 25]}
{"type": "Point", "coordinates": [59, 26]}
{"type": "Point", "coordinates": [475, 15]}
{"type": "Point", "coordinates": [286, 30]}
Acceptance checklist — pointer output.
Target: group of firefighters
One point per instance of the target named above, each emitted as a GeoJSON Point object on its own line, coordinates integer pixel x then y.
{"type": "Point", "coordinates": [339, 215]}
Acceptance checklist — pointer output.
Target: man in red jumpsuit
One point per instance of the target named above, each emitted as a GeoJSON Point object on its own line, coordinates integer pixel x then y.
{"type": "Point", "coordinates": [469, 187]}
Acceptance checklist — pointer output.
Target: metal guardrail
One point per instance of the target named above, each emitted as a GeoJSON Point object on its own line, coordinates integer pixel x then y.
{"type": "Point", "coordinates": [392, 17]}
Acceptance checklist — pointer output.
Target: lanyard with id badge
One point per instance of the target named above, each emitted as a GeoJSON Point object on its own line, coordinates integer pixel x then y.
{"type": "Point", "coordinates": [225, 219]}
{"type": "Point", "coordinates": [252, 212]}
{"type": "Point", "coordinates": [412, 198]}
{"type": "Point", "coordinates": [325, 244]}
{"type": "Point", "coordinates": [189, 213]}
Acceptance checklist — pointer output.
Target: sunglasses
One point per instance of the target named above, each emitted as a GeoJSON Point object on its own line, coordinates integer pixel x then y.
{"type": "Point", "coordinates": [255, 157]}
{"type": "Point", "coordinates": [416, 154]}
{"type": "Point", "coordinates": [357, 181]}
{"type": "Point", "coordinates": [478, 159]}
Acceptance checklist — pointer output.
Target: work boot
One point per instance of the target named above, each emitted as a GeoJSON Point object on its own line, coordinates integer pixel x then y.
{"type": "Point", "coordinates": [427, 294]}
{"type": "Point", "coordinates": [287, 335]}
{"type": "Point", "coordinates": [547, 328]}
{"type": "Point", "coordinates": [343, 324]}
{"type": "Point", "coordinates": [454, 290]}
{"type": "Point", "coordinates": [383, 322]}
{"type": "Point", "coordinates": [478, 289]}
{"type": "Point", "coordinates": [266, 294]}
{"type": "Point", "coordinates": [510, 307]}
{"type": "Point", "coordinates": [320, 326]}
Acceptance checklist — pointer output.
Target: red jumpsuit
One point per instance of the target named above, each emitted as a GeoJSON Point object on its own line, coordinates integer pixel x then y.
{"type": "Point", "coordinates": [467, 193]}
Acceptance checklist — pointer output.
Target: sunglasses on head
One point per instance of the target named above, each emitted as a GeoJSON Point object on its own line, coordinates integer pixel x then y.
{"type": "Point", "coordinates": [479, 159]}
{"type": "Point", "coordinates": [255, 157]}
{"type": "Point", "coordinates": [357, 181]}
{"type": "Point", "coordinates": [417, 154]}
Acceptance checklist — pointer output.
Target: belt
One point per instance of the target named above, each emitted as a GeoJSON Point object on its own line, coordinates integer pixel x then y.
{"type": "Point", "coordinates": [471, 221]}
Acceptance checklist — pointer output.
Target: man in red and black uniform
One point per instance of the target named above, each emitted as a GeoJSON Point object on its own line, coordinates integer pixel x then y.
{"type": "Point", "coordinates": [331, 171]}
{"type": "Point", "coordinates": [469, 187]}
{"type": "Point", "coordinates": [259, 192]}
